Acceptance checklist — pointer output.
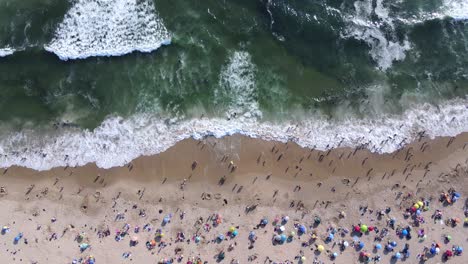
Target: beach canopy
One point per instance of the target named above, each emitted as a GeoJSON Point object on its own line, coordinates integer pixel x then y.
{"type": "Point", "coordinates": [364, 228]}
{"type": "Point", "coordinates": [320, 248]}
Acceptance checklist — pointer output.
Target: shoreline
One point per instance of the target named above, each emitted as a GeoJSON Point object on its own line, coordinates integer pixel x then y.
{"type": "Point", "coordinates": [197, 177]}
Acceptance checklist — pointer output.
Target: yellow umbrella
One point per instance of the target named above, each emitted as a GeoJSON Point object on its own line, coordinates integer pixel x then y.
{"type": "Point", "coordinates": [420, 203]}
{"type": "Point", "coordinates": [320, 248]}
{"type": "Point", "coordinates": [416, 206]}
{"type": "Point", "coordinates": [232, 229]}
{"type": "Point", "coordinates": [303, 258]}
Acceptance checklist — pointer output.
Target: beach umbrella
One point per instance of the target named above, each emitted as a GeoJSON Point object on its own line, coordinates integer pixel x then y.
{"type": "Point", "coordinates": [302, 229]}
{"type": "Point", "coordinates": [320, 248]}
{"type": "Point", "coordinates": [448, 253]}
{"type": "Point", "coordinates": [345, 244]}
{"type": "Point", "coordinates": [282, 228]}
{"type": "Point", "coordinates": [221, 237]}
{"type": "Point", "coordinates": [378, 246]}
{"type": "Point", "coordinates": [303, 258]}
{"type": "Point", "coordinates": [285, 219]}
{"type": "Point", "coordinates": [393, 244]}
{"type": "Point", "coordinates": [84, 246]}
{"type": "Point", "coordinates": [251, 235]}
{"type": "Point", "coordinates": [231, 229]}
{"type": "Point", "coordinates": [278, 238]}
{"type": "Point", "coordinates": [448, 237]}
{"type": "Point", "coordinates": [292, 233]}
{"type": "Point", "coordinates": [389, 247]}
{"type": "Point", "coordinates": [361, 245]}
{"type": "Point", "coordinates": [420, 203]}
{"type": "Point", "coordinates": [404, 232]}
{"type": "Point", "coordinates": [283, 238]}
{"type": "Point", "coordinates": [432, 250]}
{"type": "Point", "coordinates": [264, 221]}
{"type": "Point", "coordinates": [458, 249]}
{"type": "Point", "coordinates": [330, 236]}
{"type": "Point", "coordinates": [418, 212]}
{"type": "Point", "coordinates": [416, 206]}
{"type": "Point", "coordinates": [364, 228]}
{"type": "Point", "coordinates": [357, 229]}
{"type": "Point", "coordinates": [334, 255]}
{"type": "Point", "coordinates": [166, 219]}
{"type": "Point", "coordinates": [437, 250]}
{"type": "Point", "coordinates": [197, 239]}
{"type": "Point", "coordinates": [397, 255]}
{"type": "Point", "coordinates": [456, 194]}
{"type": "Point", "coordinates": [317, 220]}
{"type": "Point", "coordinates": [235, 233]}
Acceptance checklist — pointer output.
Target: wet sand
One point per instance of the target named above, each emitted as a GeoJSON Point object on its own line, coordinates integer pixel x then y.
{"type": "Point", "coordinates": [243, 180]}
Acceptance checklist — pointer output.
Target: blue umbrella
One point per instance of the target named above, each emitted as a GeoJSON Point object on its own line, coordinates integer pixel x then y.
{"type": "Point", "coordinates": [378, 246]}
{"type": "Point", "coordinates": [459, 249]}
{"type": "Point", "coordinates": [331, 236]}
{"type": "Point", "coordinates": [251, 235]}
{"type": "Point", "coordinates": [361, 244]}
{"type": "Point", "coordinates": [397, 255]}
{"type": "Point", "coordinates": [456, 195]}
{"type": "Point", "coordinates": [389, 247]}
{"type": "Point", "coordinates": [235, 233]}
{"type": "Point", "coordinates": [283, 238]}
{"type": "Point", "coordinates": [404, 232]}
{"type": "Point", "coordinates": [432, 250]}
{"type": "Point", "coordinates": [302, 229]}
{"type": "Point", "coordinates": [393, 243]}
{"type": "Point", "coordinates": [221, 237]}
{"type": "Point", "coordinates": [418, 212]}
{"type": "Point", "coordinates": [264, 221]}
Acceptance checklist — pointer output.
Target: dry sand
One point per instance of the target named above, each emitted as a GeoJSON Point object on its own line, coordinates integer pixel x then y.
{"type": "Point", "coordinates": [230, 174]}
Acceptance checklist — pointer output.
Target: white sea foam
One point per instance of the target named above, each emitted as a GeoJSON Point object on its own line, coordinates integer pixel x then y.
{"type": "Point", "coordinates": [237, 85]}
{"type": "Point", "coordinates": [117, 141]}
{"type": "Point", "coordinates": [457, 9]}
{"type": "Point", "coordinates": [6, 52]}
{"type": "Point", "coordinates": [360, 26]}
{"type": "Point", "coordinates": [108, 28]}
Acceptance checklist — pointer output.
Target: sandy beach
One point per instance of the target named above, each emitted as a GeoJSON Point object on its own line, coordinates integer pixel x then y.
{"type": "Point", "coordinates": [201, 198]}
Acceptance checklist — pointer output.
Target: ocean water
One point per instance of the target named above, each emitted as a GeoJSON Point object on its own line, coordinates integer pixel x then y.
{"type": "Point", "coordinates": [106, 81]}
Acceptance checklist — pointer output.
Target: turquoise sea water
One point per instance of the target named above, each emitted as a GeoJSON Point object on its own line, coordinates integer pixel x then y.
{"type": "Point", "coordinates": [82, 78]}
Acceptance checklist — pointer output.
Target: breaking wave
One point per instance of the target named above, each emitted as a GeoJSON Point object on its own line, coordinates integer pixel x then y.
{"type": "Point", "coordinates": [108, 28]}
{"type": "Point", "coordinates": [6, 52]}
{"type": "Point", "coordinates": [117, 141]}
